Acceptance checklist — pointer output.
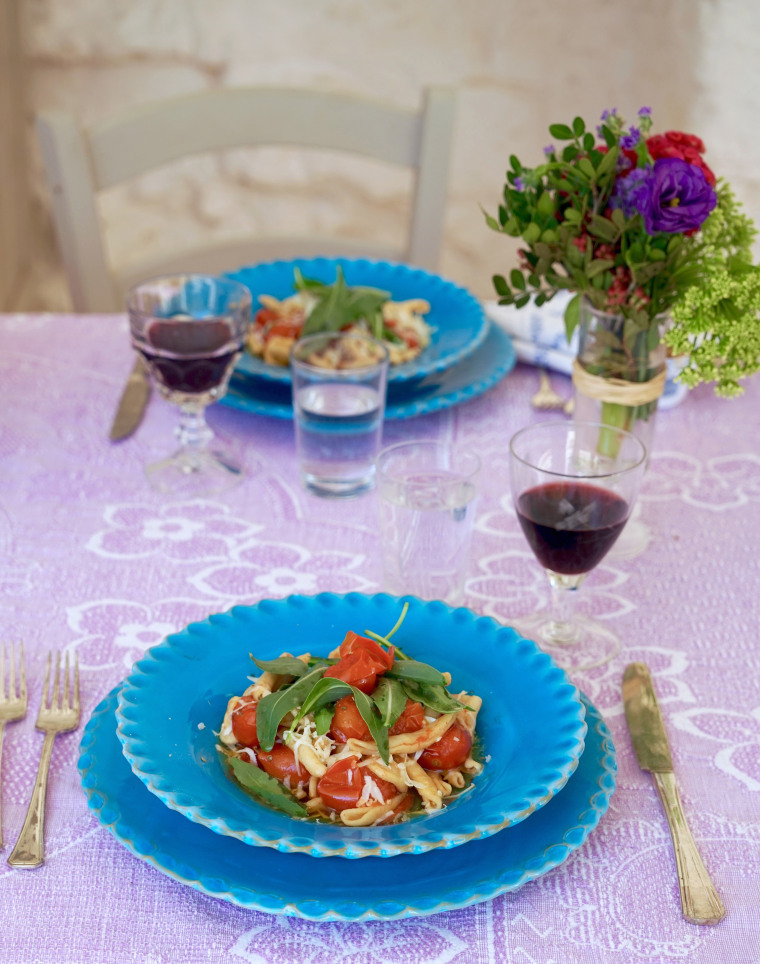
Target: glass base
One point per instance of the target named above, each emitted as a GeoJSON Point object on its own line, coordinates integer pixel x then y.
{"type": "Point", "coordinates": [190, 474]}
{"type": "Point", "coordinates": [577, 645]}
{"type": "Point", "coordinates": [336, 488]}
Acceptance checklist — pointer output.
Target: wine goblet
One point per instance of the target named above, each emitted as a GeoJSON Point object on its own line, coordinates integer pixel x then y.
{"type": "Point", "coordinates": [572, 503]}
{"type": "Point", "coordinates": [190, 330]}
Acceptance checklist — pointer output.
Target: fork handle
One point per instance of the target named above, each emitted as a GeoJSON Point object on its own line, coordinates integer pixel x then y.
{"type": "Point", "coordinates": [29, 848]}
{"type": "Point", "coordinates": [700, 902]}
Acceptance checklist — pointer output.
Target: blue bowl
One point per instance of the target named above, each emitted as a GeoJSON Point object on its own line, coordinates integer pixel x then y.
{"type": "Point", "coordinates": [531, 726]}
{"type": "Point", "coordinates": [457, 318]}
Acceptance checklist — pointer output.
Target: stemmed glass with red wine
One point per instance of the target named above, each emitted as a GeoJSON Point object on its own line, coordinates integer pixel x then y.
{"type": "Point", "coordinates": [190, 330]}
{"type": "Point", "coordinates": [572, 503]}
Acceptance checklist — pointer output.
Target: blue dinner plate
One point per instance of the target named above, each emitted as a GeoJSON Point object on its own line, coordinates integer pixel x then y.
{"type": "Point", "coordinates": [531, 725]}
{"type": "Point", "coordinates": [473, 376]}
{"type": "Point", "coordinates": [332, 889]}
{"type": "Point", "coordinates": [456, 317]}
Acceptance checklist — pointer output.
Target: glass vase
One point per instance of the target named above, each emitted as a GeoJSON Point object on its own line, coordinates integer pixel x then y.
{"type": "Point", "coordinates": [619, 375]}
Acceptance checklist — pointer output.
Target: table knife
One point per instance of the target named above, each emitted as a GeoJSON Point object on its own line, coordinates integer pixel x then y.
{"type": "Point", "coordinates": [132, 403]}
{"type": "Point", "coordinates": [699, 899]}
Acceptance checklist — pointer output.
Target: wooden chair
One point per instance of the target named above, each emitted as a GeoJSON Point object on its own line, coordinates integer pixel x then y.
{"type": "Point", "coordinates": [79, 163]}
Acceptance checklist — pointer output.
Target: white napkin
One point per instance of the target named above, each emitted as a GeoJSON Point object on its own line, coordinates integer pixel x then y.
{"type": "Point", "coordinates": [538, 336]}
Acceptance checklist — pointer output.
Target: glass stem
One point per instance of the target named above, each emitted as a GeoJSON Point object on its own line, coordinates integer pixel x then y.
{"type": "Point", "coordinates": [193, 434]}
{"type": "Point", "coordinates": [562, 629]}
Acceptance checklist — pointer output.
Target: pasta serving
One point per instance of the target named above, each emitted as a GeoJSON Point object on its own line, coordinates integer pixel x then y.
{"type": "Point", "coordinates": [317, 307]}
{"type": "Point", "coordinates": [364, 737]}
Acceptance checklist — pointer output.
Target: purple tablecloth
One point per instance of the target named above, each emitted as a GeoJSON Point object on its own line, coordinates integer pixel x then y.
{"type": "Point", "coordinates": [91, 560]}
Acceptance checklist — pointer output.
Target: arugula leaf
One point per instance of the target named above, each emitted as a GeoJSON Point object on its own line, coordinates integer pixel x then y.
{"type": "Point", "coordinates": [270, 790]}
{"type": "Point", "coordinates": [282, 666]}
{"type": "Point", "coordinates": [390, 699]}
{"type": "Point", "coordinates": [436, 697]}
{"type": "Point", "coordinates": [323, 719]}
{"type": "Point", "coordinates": [371, 717]}
{"type": "Point", "coordinates": [339, 305]}
{"type": "Point", "coordinates": [273, 707]}
{"type": "Point", "coordinates": [326, 690]}
{"type": "Point", "coordinates": [410, 669]}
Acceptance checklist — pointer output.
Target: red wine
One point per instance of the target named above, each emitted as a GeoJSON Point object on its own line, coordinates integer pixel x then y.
{"type": "Point", "coordinates": [190, 356]}
{"type": "Point", "coordinates": [571, 526]}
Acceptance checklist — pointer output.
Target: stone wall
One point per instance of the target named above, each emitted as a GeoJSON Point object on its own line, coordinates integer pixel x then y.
{"type": "Point", "coordinates": [517, 67]}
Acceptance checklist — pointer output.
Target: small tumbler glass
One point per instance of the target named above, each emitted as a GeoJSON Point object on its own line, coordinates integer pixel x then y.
{"type": "Point", "coordinates": [339, 383]}
{"type": "Point", "coordinates": [427, 494]}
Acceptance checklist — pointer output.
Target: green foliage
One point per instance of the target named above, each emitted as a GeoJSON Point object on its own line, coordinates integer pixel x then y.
{"type": "Point", "coordinates": [574, 239]}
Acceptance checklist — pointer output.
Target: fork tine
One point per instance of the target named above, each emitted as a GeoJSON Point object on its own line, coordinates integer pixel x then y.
{"type": "Point", "coordinates": [66, 680]}
{"type": "Point", "coordinates": [76, 682]}
{"type": "Point", "coordinates": [46, 683]}
{"type": "Point", "coordinates": [55, 702]}
{"type": "Point", "coordinates": [22, 675]}
{"type": "Point", "coordinates": [2, 670]}
{"type": "Point", "coordinates": [11, 674]}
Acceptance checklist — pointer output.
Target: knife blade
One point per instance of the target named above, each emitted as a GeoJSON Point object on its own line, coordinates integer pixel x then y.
{"type": "Point", "coordinates": [132, 403]}
{"type": "Point", "coordinates": [700, 901]}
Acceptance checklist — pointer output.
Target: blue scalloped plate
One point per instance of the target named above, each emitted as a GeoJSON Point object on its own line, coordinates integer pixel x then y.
{"type": "Point", "coordinates": [473, 376]}
{"type": "Point", "coordinates": [532, 724]}
{"type": "Point", "coordinates": [457, 318]}
{"type": "Point", "coordinates": [293, 884]}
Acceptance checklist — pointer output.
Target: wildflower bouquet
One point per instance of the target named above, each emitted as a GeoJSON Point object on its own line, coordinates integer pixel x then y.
{"type": "Point", "coordinates": [638, 227]}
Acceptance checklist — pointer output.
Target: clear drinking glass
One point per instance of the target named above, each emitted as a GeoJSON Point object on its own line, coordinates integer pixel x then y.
{"type": "Point", "coordinates": [190, 331]}
{"type": "Point", "coordinates": [339, 384]}
{"type": "Point", "coordinates": [572, 504]}
{"type": "Point", "coordinates": [427, 492]}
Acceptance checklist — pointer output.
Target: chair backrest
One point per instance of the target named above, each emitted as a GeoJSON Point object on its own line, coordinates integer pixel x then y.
{"type": "Point", "coordinates": [79, 163]}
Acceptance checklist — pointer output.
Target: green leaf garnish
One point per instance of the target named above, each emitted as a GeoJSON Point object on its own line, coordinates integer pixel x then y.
{"type": "Point", "coordinates": [282, 666]}
{"type": "Point", "coordinates": [390, 699]}
{"type": "Point", "coordinates": [371, 717]}
{"type": "Point", "coordinates": [270, 790]}
{"type": "Point", "coordinates": [436, 697]}
{"type": "Point", "coordinates": [272, 708]}
{"type": "Point", "coordinates": [411, 669]}
{"type": "Point", "coordinates": [323, 719]}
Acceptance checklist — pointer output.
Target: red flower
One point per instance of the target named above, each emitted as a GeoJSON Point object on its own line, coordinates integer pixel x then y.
{"type": "Point", "coordinates": [686, 147]}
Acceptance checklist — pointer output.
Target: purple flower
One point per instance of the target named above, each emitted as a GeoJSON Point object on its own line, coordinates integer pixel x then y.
{"type": "Point", "coordinates": [631, 139]}
{"type": "Point", "coordinates": [645, 111]}
{"type": "Point", "coordinates": [519, 184]}
{"type": "Point", "coordinates": [632, 193]}
{"type": "Point", "coordinates": [549, 149]}
{"type": "Point", "coordinates": [608, 113]}
{"type": "Point", "coordinates": [680, 198]}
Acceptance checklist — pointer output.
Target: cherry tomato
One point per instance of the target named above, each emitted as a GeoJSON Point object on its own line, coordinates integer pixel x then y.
{"type": "Point", "coordinates": [411, 719]}
{"type": "Point", "coordinates": [342, 785]}
{"type": "Point", "coordinates": [285, 329]}
{"type": "Point", "coordinates": [280, 762]}
{"type": "Point", "coordinates": [353, 642]}
{"type": "Point", "coordinates": [450, 751]}
{"type": "Point", "coordinates": [263, 316]}
{"type": "Point", "coordinates": [244, 724]}
{"type": "Point", "coordinates": [411, 340]}
{"type": "Point", "coordinates": [357, 669]}
{"type": "Point", "coordinates": [347, 723]}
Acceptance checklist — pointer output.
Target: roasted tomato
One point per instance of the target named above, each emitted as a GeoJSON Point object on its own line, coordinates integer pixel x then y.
{"type": "Point", "coordinates": [285, 329]}
{"type": "Point", "coordinates": [264, 316]}
{"type": "Point", "coordinates": [357, 669]}
{"type": "Point", "coordinates": [347, 723]}
{"type": "Point", "coordinates": [244, 724]}
{"type": "Point", "coordinates": [361, 661]}
{"type": "Point", "coordinates": [354, 642]}
{"type": "Point", "coordinates": [280, 762]}
{"type": "Point", "coordinates": [341, 787]}
{"type": "Point", "coordinates": [411, 719]}
{"type": "Point", "coordinates": [450, 751]}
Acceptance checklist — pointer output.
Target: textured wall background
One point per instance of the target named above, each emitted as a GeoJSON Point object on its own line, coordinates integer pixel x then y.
{"type": "Point", "coordinates": [517, 67]}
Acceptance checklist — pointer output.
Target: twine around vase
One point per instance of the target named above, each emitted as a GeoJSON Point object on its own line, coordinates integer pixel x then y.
{"type": "Point", "coordinates": [617, 390]}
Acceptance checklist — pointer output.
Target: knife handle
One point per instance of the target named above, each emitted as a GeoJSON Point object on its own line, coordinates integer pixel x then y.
{"type": "Point", "coordinates": [699, 898]}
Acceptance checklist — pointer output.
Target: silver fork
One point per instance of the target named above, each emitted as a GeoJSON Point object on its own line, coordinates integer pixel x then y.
{"type": "Point", "coordinates": [59, 712]}
{"type": "Point", "coordinates": [12, 704]}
